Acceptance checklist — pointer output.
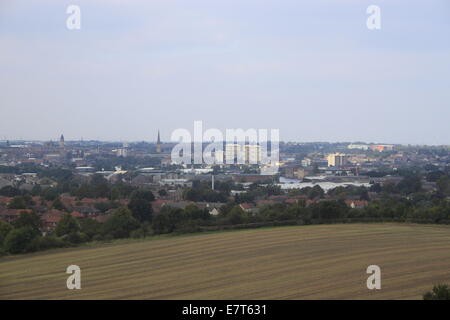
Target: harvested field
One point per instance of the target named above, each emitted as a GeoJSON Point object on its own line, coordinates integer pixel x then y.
{"type": "Point", "coordinates": [301, 262]}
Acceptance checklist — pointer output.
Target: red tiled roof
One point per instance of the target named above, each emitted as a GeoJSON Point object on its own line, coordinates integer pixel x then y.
{"type": "Point", "coordinates": [12, 212]}
{"type": "Point", "coordinates": [246, 206]}
{"type": "Point", "coordinates": [5, 200]}
{"type": "Point", "coordinates": [51, 219]}
{"type": "Point", "coordinates": [102, 218]}
{"type": "Point", "coordinates": [264, 202]}
{"type": "Point", "coordinates": [77, 214]}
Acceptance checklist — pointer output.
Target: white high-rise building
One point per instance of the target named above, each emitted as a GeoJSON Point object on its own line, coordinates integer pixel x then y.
{"type": "Point", "coordinates": [242, 154]}
{"type": "Point", "coordinates": [337, 160]}
{"type": "Point", "coordinates": [252, 154]}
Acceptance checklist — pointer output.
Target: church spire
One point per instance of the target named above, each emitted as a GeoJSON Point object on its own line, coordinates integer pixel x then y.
{"type": "Point", "coordinates": [158, 144]}
{"type": "Point", "coordinates": [61, 141]}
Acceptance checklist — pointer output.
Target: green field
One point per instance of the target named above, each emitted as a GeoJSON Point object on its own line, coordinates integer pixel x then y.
{"type": "Point", "coordinates": [301, 262]}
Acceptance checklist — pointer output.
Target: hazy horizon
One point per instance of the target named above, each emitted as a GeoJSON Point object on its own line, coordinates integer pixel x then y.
{"type": "Point", "coordinates": [172, 142]}
{"type": "Point", "coordinates": [312, 70]}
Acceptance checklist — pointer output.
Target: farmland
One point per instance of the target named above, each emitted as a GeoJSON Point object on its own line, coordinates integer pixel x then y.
{"type": "Point", "coordinates": [300, 262]}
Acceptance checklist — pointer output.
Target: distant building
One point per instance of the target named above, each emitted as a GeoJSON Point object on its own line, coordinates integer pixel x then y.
{"type": "Point", "coordinates": [337, 160]}
{"type": "Point", "coordinates": [158, 144]}
{"type": "Point", "coordinates": [358, 146]}
{"type": "Point", "coordinates": [242, 153]}
{"type": "Point", "coordinates": [252, 153]}
{"type": "Point", "coordinates": [61, 141]}
{"type": "Point", "coordinates": [253, 178]}
{"type": "Point", "coordinates": [382, 147]}
{"type": "Point", "coordinates": [84, 169]}
{"type": "Point", "coordinates": [306, 162]}
{"type": "Point", "coordinates": [123, 152]}
{"type": "Point", "coordinates": [373, 147]}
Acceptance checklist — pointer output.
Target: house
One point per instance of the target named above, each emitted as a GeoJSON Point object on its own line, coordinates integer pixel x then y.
{"type": "Point", "coordinates": [102, 218]}
{"type": "Point", "coordinates": [249, 208]}
{"type": "Point", "coordinates": [214, 212]}
{"type": "Point", "coordinates": [262, 202]}
{"type": "Point", "coordinates": [291, 201]}
{"type": "Point", "coordinates": [309, 202]}
{"type": "Point", "coordinates": [278, 198]}
{"type": "Point", "coordinates": [86, 211]}
{"type": "Point", "coordinates": [9, 215]}
{"type": "Point", "coordinates": [158, 204]}
{"type": "Point", "coordinates": [178, 204]}
{"type": "Point", "coordinates": [77, 215]}
{"type": "Point", "coordinates": [4, 201]}
{"type": "Point", "coordinates": [51, 218]}
{"type": "Point", "coordinates": [356, 204]}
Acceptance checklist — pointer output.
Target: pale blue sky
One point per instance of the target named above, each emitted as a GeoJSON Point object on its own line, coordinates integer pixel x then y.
{"type": "Point", "coordinates": [309, 68]}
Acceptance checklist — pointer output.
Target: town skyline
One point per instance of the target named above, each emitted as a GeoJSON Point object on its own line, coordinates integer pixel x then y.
{"type": "Point", "coordinates": [153, 140]}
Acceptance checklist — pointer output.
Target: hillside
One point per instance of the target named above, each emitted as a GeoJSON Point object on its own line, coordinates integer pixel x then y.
{"type": "Point", "coordinates": [304, 262]}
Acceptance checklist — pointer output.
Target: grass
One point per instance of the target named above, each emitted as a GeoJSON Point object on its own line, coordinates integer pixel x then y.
{"type": "Point", "coordinates": [298, 262]}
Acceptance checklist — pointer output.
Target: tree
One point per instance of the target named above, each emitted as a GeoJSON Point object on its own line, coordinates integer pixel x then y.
{"type": "Point", "coordinates": [49, 194]}
{"type": "Point", "coordinates": [5, 228]}
{"type": "Point", "coordinates": [443, 185]}
{"type": "Point", "coordinates": [19, 240]}
{"type": "Point", "coordinates": [236, 215]}
{"type": "Point", "coordinates": [67, 226]}
{"type": "Point", "coordinates": [9, 191]}
{"type": "Point", "coordinates": [192, 212]}
{"type": "Point", "coordinates": [142, 194]}
{"type": "Point", "coordinates": [439, 292]}
{"type": "Point", "coordinates": [160, 223]}
{"type": "Point", "coordinates": [17, 202]}
{"type": "Point", "coordinates": [329, 210]}
{"type": "Point", "coordinates": [315, 192]}
{"type": "Point", "coordinates": [167, 220]}
{"type": "Point", "coordinates": [28, 220]}
{"type": "Point", "coordinates": [141, 209]}
{"type": "Point", "coordinates": [58, 205]}
{"type": "Point", "coordinates": [410, 184]}
{"type": "Point", "coordinates": [90, 227]}
{"type": "Point", "coordinates": [47, 242]}
{"type": "Point", "coordinates": [121, 224]}
{"type": "Point", "coordinates": [99, 186]}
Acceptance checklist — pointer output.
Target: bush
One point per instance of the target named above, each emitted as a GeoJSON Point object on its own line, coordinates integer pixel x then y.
{"type": "Point", "coordinates": [50, 242]}
{"type": "Point", "coordinates": [47, 242]}
{"type": "Point", "coordinates": [76, 237]}
{"type": "Point", "coordinates": [120, 225]}
{"type": "Point", "coordinates": [5, 228]}
{"type": "Point", "coordinates": [67, 225]}
{"type": "Point", "coordinates": [439, 292]}
{"type": "Point", "coordinates": [188, 227]}
{"type": "Point", "coordinates": [138, 234]}
{"type": "Point", "coordinates": [20, 240]}
{"type": "Point", "coordinates": [90, 227]}
{"type": "Point", "coordinates": [28, 220]}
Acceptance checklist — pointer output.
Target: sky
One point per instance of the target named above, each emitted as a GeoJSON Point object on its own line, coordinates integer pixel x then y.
{"type": "Point", "coordinates": [310, 68]}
